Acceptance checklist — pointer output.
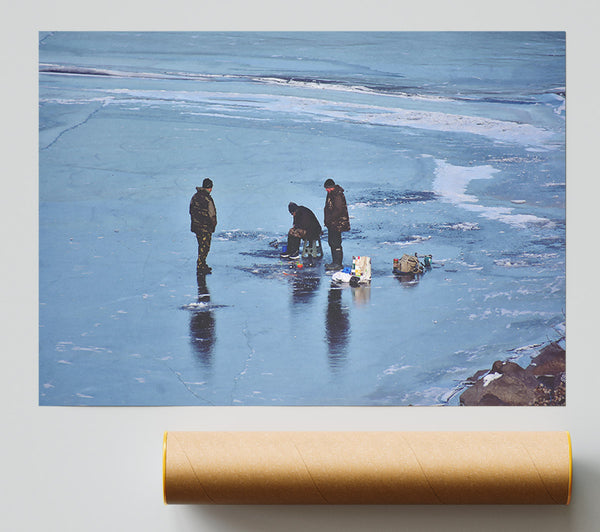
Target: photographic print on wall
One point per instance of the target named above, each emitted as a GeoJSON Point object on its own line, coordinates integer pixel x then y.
{"type": "Point", "coordinates": [450, 151]}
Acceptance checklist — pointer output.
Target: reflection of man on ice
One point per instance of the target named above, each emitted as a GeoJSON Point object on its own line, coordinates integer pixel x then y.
{"type": "Point", "coordinates": [337, 221]}
{"type": "Point", "coordinates": [204, 221]}
{"type": "Point", "coordinates": [306, 227]}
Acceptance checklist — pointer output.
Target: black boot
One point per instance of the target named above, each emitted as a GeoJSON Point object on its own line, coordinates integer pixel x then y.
{"type": "Point", "coordinates": [337, 256]}
{"type": "Point", "coordinates": [293, 248]}
{"type": "Point", "coordinates": [292, 255]}
{"type": "Point", "coordinates": [202, 268]}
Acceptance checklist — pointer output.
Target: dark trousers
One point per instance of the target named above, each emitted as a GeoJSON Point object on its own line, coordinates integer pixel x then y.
{"type": "Point", "coordinates": [293, 244]}
{"type": "Point", "coordinates": [204, 238]}
{"type": "Point", "coordinates": [334, 239]}
{"type": "Point", "coordinates": [294, 237]}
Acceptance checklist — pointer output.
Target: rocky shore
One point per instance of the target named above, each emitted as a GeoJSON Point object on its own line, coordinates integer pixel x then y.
{"type": "Point", "coordinates": [542, 383]}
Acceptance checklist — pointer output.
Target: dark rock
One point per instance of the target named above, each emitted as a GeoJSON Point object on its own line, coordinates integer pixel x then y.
{"type": "Point", "coordinates": [491, 400]}
{"type": "Point", "coordinates": [550, 361]}
{"type": "Point", "coordinates": [477, 376]}
{"type": "Point", "coordinates": [508, 384]}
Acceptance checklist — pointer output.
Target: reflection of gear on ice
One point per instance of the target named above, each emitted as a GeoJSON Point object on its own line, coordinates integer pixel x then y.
{"type": "Point", "coordinates": [361, 294]}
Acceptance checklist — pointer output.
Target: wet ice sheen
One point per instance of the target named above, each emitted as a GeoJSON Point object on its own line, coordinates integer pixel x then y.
{"type": "Point", "coordinates": [448, 144]}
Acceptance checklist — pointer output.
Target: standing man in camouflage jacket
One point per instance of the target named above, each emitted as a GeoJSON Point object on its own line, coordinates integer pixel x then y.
{"type": "Point", "coordinates": [337, 221]}
{"type": "Point", "coordinates": [204, 221]}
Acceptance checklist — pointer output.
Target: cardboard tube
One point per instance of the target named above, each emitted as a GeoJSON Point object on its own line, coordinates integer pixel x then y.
{"type": "Point", "coordinates": [367, 468]}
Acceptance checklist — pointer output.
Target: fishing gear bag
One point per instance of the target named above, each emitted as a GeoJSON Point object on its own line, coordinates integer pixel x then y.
{"type": "Point", "coordinates": [407, 264]}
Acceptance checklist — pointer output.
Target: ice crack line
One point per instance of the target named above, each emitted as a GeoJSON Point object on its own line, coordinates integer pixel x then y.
{"type": "Point", "coordinates": [75, 126]}
{"type": "Point", "coordinates": [178, 375]}
{"type": "Point", "coordinates": [251, 352]}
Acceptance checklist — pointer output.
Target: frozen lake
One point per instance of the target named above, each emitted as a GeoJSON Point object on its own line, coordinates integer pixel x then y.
{"type": "Point", "coordinates": [449, 144]}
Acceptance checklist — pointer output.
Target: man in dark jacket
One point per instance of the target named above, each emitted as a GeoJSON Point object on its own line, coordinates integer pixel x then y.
{"type": "Point", "coordinates": [306, 227]}
{"type": "Point", "coordinates": [337, 221]}
{"type": "Point", "coordinates": [204, 221]}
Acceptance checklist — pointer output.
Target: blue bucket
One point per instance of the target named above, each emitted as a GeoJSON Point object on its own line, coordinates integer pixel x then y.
{"type": "Point", "coordinates": [284, 248]}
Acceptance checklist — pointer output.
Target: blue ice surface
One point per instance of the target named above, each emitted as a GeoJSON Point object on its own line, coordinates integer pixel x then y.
{"type": "Point", "coordinates": [449, 144]}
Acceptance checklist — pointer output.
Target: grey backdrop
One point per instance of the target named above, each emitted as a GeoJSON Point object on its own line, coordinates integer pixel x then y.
{"type": "Point", "coordinates": [97, 469]}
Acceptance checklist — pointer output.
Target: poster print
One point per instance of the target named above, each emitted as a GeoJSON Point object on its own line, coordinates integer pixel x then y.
{"type": "Point", "coordinates": [449, 148]}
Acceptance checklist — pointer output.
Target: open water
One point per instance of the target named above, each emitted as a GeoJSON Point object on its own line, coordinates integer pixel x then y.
{"type": "Point", "coordinates": [449, 144]}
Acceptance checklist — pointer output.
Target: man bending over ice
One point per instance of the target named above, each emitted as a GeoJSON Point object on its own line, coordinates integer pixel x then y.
{"type": "Point", "coordinates": [306, 227]}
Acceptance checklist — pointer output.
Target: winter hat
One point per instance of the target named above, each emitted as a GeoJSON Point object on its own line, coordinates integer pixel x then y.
{"type": "Point", "coordinates": [329, 183]}
{"type": "Point", "coordinates": [207, 183]}
{"type": "Point", "coordinates": [292, 207]}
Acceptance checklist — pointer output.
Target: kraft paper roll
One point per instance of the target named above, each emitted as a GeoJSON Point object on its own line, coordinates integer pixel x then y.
{"type": "Point", "coordinates": [367, 467]}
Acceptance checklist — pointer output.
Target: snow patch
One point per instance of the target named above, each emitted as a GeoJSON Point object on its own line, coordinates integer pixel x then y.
{"type": "Point", "coordinates": [451, 184]}
{"type": "Point", "coordinates": [490, 378]}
